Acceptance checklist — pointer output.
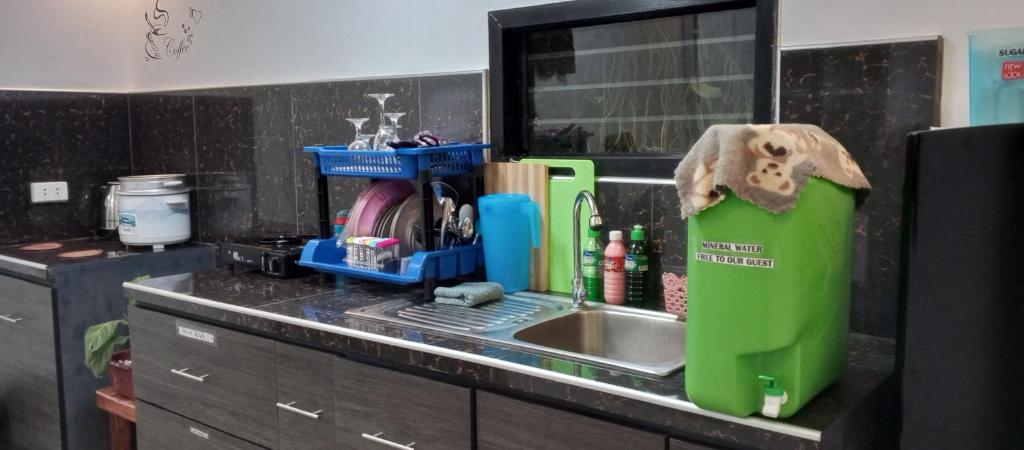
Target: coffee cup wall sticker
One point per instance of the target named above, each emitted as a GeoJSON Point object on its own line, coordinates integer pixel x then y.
{"type": "Point", "coordinates": [164, 41]}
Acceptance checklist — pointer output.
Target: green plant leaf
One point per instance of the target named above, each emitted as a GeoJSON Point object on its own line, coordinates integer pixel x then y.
{"type": "Point", "coordinates": [100, 341]}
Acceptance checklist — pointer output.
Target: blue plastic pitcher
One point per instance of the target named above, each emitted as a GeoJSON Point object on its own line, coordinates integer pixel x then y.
{"type": "Point", "coordinates": [510, 225]}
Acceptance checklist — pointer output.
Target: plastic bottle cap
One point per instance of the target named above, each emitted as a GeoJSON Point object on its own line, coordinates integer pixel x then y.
{"type": "Point", "coordinates": [638, 233]}
{"type": "Point", "coordinates": [593, 233]}
{"type": "Point", "coordinates": [615, 235]}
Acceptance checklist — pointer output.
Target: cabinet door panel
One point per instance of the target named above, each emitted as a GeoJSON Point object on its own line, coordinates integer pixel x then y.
{"type": "Point", "coordinates": [375, 406]}
{"type": "Point", "coordinates": [29, 401]}
{"type": "Point", "coordinates": [504, 423]}
{"type": "Point", "coordinates": [158, 429]}
{"type": "Point", "coordinates": [305, 415]}
{"type": "Point", "coordinates": [215, 376]}
{"type": "Point", "coordinates": [676, 444]}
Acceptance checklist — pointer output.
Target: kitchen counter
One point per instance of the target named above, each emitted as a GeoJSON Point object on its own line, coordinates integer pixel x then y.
{"type": "Point", "coordinates": [43, 264]}
{"type": "Point", "coordinates": [48, 394]}
{"type": "Point", "coordinates": [312, 313]}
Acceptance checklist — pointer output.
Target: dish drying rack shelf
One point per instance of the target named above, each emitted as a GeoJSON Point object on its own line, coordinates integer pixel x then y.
{"type": "Point", "coordinates": [419, 165]}
{"type": "Point", "coordinates": [436, 264]}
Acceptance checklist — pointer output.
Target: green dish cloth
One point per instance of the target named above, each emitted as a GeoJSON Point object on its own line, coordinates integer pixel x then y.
{"type": "Point", "coordinates": [469, 294]}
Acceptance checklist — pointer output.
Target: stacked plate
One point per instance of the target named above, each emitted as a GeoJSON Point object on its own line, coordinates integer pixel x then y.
{"type": "Point", "coordinates": [389, 209]}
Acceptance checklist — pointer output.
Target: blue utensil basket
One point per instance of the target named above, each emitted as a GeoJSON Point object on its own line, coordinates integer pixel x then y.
{"type": "Point", "coordinates": [404, 163]}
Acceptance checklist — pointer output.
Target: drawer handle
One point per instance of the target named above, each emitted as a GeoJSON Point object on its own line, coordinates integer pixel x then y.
{"type": "Point", "coordinates": [11, 319]}
{"type": "Point", "coordinates": [376, 438]}
{"type": "Point", "coordinates": [184, 373]}
{"type": "Point", "coordinates": [315, 415]}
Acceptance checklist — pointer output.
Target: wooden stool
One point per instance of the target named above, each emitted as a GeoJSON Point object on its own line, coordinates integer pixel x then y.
{"type": "Point", "coordinates": [122, 417]}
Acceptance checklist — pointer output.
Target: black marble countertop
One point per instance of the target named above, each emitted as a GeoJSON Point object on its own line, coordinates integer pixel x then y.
{"type": "Point", "coordinates": [310, 312]}
{"type": "Point", "coordinates": [42, 264]}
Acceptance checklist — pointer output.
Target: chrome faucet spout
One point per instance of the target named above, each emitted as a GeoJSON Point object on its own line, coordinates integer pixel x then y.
{"type": "Point", "coordinates": [579, 292]}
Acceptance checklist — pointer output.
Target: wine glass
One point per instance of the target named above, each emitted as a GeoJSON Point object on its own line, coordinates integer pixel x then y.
{"type": "Point", "coordinates": [361, 142]}
{"type": "Point", "coordinates": [381, 98]}
{"type": "Point", "coordinates": [393, 117]}
{"type": "Point", "coordinates": [385, 134]}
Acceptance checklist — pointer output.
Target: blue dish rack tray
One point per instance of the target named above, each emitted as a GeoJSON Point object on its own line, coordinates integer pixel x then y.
{"type": "Point", "coordinates": [324, 255]}
{"type": "Point", "coordinates": [418, 165]}
{"type": "Point", "coordinates": [404, 163]}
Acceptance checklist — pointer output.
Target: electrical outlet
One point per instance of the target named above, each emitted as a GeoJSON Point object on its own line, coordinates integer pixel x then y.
{"type": "Point", "coordinates": [49, 192]}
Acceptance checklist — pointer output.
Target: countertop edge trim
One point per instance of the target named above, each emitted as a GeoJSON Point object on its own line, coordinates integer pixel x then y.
{"type": "Point", "coordinates": [22, 262]}
{"type": "Point", "coordinates": [680, 405]}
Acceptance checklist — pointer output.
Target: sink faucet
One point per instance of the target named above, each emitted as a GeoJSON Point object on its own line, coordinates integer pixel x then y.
{"type": "Point", "coordinates": [579, 293]}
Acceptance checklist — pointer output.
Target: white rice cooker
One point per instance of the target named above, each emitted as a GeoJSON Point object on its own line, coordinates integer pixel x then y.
{"type": "Point", "coordinates": [153, 210]}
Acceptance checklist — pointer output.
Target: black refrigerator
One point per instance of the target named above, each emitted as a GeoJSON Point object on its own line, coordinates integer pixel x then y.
{"type": "Point", "coordinates": [960, 344]}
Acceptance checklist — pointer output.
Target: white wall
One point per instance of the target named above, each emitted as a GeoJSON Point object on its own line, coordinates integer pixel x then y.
{"type": "Point", "coordinates": [75, 45]}
{"type": "Point", "coordinates": [804, 22]}
{"type": "Point", "coordinates": [99, 44]}
{"type": "Point", "coordinates": [270, 41]}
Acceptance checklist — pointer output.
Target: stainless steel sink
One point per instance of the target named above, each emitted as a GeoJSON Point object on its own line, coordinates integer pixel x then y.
{"type": "Point", "coordinates": [606, 335]}
{"type": "Point", "coordinates": [634, 340]}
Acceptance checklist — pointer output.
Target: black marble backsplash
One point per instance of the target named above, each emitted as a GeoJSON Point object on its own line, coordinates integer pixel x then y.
{"type": "Point", "coordinates": [656, 207]}
{"type": "Point", "coordinates": [81, 138]}
{"type": "Point", "coordinates": [869, 97]}
{"type": "Point", "coordinates": [242, 146]}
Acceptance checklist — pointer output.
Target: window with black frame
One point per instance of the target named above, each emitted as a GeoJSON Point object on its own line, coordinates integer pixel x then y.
{"type": "Point", "coordinates": [647, 86]}
{"type": "Point", "coordinates": [640, 88]}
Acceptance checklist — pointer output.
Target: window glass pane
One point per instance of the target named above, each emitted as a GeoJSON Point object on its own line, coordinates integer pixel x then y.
{"type": "Point", "coordinates": [645, 87]}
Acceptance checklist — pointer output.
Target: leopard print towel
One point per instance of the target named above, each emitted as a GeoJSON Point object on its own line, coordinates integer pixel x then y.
{"type": "Point", "coordinates": [766, 165]}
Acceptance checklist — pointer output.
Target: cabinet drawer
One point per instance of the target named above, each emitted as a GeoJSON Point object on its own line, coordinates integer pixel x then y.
{"type": "Point", "coordinates": [375, 406]}
{"type": "Point", "coordinates": [158, 430]}
{"type": "Point", "coordinates": [305, 415]}
{"type": "Point", "coordinates": [216, 376]}
{"type": "Point", "coordinates": [26, 325]}
{"type": "Point", "coordinates": [504, 423]}
{"type": "Point", "coordinates": [29, 408]}
{"type": "Point", "coordinates": [675, 444]}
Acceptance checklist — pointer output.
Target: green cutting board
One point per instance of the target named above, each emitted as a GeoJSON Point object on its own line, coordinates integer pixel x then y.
{"type": "Point", "coordinates": [561, 195]}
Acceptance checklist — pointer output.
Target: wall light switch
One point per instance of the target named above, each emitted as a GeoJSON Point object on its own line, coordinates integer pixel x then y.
{"type": "Point", "coordinates": [49, 192]}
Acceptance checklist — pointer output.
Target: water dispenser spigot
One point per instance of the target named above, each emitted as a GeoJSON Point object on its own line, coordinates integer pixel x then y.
{"type": "Point", "coordinates": [774, 396]}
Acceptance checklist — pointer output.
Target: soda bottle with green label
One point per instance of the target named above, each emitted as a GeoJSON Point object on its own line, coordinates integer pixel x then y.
{"type": "Point", "coordinates": [593, 272]}
{"type": "Point", "coordinates": [637, 268]}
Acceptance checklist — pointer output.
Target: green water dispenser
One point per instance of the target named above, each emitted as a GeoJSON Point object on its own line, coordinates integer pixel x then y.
{"type": "Point", "coordinates": [770, 213]}
{"type": "Point", "coordinates": [769, 297]}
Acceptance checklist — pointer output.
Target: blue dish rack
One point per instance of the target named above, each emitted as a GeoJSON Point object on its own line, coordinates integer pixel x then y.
{"type": "Point", "coordinates": [420, 165]}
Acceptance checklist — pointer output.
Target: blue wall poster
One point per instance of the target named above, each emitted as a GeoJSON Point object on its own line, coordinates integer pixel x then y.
{"type": "Point", "coordinates": [997, 76]}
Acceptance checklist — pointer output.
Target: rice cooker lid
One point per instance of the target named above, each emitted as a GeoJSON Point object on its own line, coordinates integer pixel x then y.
{"type": "Point", "coordinates": [153, 184]}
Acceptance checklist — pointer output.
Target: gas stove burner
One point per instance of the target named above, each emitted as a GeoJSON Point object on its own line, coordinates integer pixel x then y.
{"type": "Point", "coordinates": [275, 256]}
{"type": "Point", "coordinates": [41, 247]}
{"type": "Point", "coordinates": [81, 254]}
{"type": "Point", "coordinates": [280, 240]}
